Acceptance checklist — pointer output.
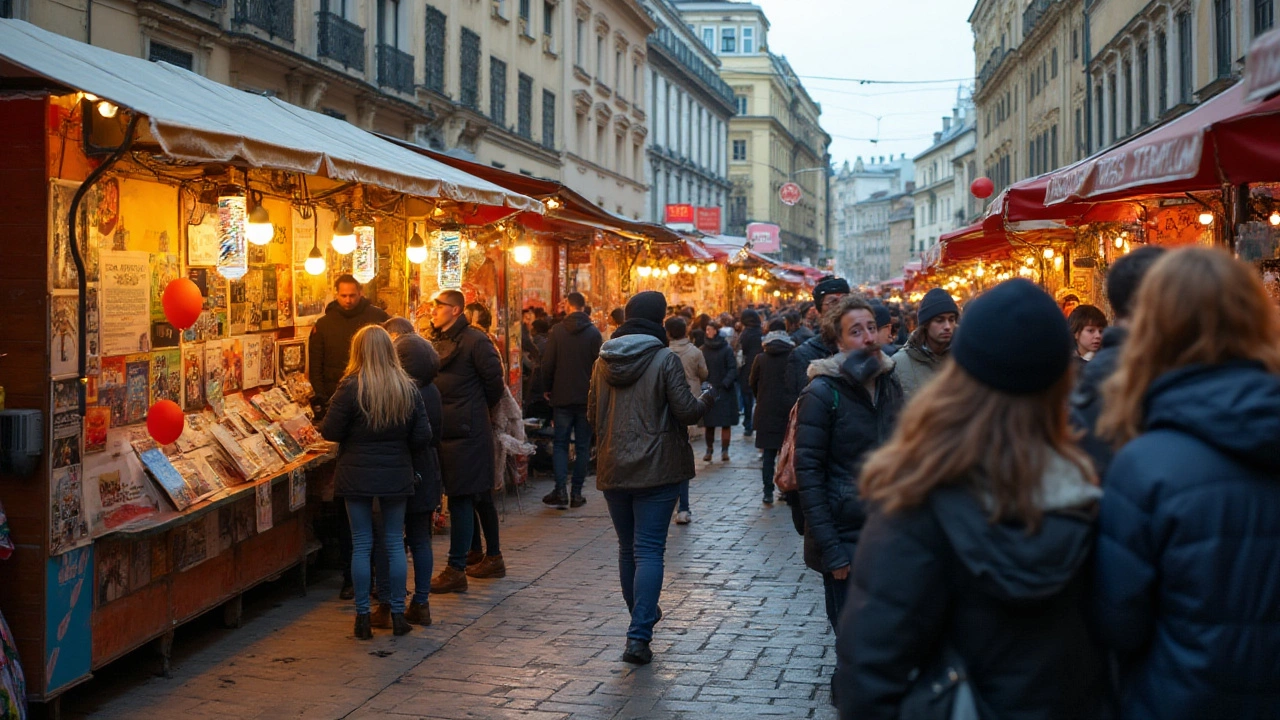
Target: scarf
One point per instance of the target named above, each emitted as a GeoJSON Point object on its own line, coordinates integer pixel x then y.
{"type": "Point", "coordinates": [640, 326]}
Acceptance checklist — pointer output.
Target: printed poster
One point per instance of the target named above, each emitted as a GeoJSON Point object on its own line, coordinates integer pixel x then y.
{"type": "Point", "coordinates": [97, 423]}
{"type": "Point", "coordinates": [68, 600]}
{"type": "Point", "coordinates": [193, 378]}
{"type": "Point", "coordinates": [62, 267]}
{"type": "Point", "coordinates": [297, 489]}
{"type": "Point", "coordinates": [64, 335]}
{"type": "Point", "coordinates": [237, 318]}
{"type": "Point", "coordinates": [267, 359]}
{"type": "Point", "coordinates": [66, 395]}
{"type": "Point", "coordinates": [112, 389]}
{"type": "Point", "coordinates": [202, 241]}
{"type": "Point", "coordinates": [92, 324]}
{"type": "Point", "coordinates": [116, 488]}
{"type": "Point", "coordinates": [252, 359]}
{"type": "Point", "coordinates": [284, 296]}
{"type": "Point", "coordinates": [166, 376]}
{"type": "Point", "coordinates": [232, 365]}
{"type": "Point", "coordinates": [126, 302]}
{"type": "Point", "coordinates": [137, 379]}
{"type": "Point", "coordinates": [263, 505]}
{"type": "Point", "coordinates": [68, 522]}
{"type": "Point", "coordinates": [65, 452]}
{"type": "Point", "coordinates": [270, 310]}
{"type": "Point", "coordinates": [310, 292]}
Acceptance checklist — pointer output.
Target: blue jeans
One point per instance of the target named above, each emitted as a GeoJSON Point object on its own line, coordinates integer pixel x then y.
{"type": "Point", "coordinates": [417, 532]}
{"type": "Point", "coordinates": [684, 497]}
{"type": "Point", "coordinates": [641, 519]}
{"type": "Point", "coordinates": [567, 421]}
{"type": "Point", "coordinates": [462, 519]}
{"type": "Point", "coordinates": [748, 404]}
{"type": "Point", "coordinates": [360, 513]}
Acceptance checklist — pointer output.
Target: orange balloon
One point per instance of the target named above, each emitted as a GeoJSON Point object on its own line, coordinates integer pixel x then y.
{"type": "Point", "coordinates": [182, 303]}
{"type": "Point", "coordinates": [165, 421]}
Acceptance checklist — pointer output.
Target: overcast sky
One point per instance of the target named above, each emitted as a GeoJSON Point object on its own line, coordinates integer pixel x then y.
{"type": "Point", "coordinates": [879, 40]}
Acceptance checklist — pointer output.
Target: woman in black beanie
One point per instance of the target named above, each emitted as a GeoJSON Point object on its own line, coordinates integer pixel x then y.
{"type": "Point", "coordinates": [973, 562]}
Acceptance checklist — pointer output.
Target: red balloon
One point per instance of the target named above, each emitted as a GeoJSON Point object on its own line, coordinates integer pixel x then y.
{"type": "Point", "coordinates": [165, 421]}
{"type": "Point", "coordinates": [982, 188]}
{"type": "Point", "coordinates": [182, 303]}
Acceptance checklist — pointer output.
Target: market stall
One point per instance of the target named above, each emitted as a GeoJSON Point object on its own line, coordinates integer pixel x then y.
{"type": "Point", "coordinates": [171, 240]}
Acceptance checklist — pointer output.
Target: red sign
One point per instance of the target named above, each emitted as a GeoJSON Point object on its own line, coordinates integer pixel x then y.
{"type": "Point", "coordinates": [680, 214]}
{"type": "Point", "coordinates": [708, 220]}
{"type": "Point", "coordinates": [790, 193]}
{"type": "Point", "coordinates": [764, 237]}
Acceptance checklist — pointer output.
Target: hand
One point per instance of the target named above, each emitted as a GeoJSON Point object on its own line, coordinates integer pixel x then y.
{"type": "Point", "coordinates": [706, 387]}
{"type": "Point", "coordinates": [841, 573]}
{"type": "Point", "coordinates": [546, 396]}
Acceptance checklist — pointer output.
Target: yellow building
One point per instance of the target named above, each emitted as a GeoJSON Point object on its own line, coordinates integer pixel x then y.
{"type": "Point", "coordinates": [775, 137]}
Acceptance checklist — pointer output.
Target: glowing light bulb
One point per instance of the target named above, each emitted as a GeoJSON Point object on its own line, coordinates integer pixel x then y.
{"type": "Point", "coordinates": [259, 229]}
{"type": "Point", "coordinates": [712, 267]}
{"type": "Point", "coordinates": [1048, 253]}
{"type": "Point", "coordinates": [1275, 218]}
{"type": "Point", "coordinates": [1206, 218]}
{"type": "Point", "coordinates": [416, 250]}
{"type": "Point", "coordinates": [673, 268]}
{"type": "Point", "coordinates": [522, 254]}
{"type": "Point", "coordinates": [644, 270]}
{"type": "Point", "coordinates": [1119, 242]}
{"type": "Point", "coordinates": [1057, 263]}
{"type": "Point", "coordinates": [980, 272]}
{"type": "Point", "coordinates": [691, 269]}
{"type": "Point", "coordinates": [777, 293]}
{"type": "Point", "coordinates": [315, 262]}
{"type": "Point", "coordinates": [344, 236]}
{"type": "Point", "coordinates": [107, 110]}
{"type": "Point", "coordinates": [1030, 261]}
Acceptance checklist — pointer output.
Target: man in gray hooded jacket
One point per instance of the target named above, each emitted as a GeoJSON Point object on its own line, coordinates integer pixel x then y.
{"type": "Point", "coordinates": [928, 347]}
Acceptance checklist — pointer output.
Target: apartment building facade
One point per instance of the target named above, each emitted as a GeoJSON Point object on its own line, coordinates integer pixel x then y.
{"type": "Point", "coordinates": [851, 185]}
{"type": "Point", "coordinates": [943, 173]}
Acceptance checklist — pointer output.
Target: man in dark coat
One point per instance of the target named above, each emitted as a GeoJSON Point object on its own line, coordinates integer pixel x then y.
{"type": "Point", "coordinates": [928, 347]}
{"type": "Point", "coordinates": [470, 383]}
{"type": "Point", "coordinates": [773, 405]}
{"type": "Point", "coordinates": [329, 346]}
{"type": "Point", "coordinates": [570, 352]}
{"type": "Point", "coordinates": [1086, 400]}
{"type": "Point", "coordinates": [749, 345]}
{"type": "Point", "coordinates": [828, 290]}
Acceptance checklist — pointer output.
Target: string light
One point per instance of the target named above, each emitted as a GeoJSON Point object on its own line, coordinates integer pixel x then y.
{"type": "Point", "coordinates": [1048, 253]}
{"type": "Point", "coordinates": [522, 254]}
{"type": "Point", "coordinates": [644, 270]}
{"type": "Point", "coordinates": [344, 235]}
{"type": "Point", "coordinates": [416, 250]}
{"type": "Point", "coordinates": [107, 110]}
{"type": "Point", "coordinates": [1206, 218]}
{"type": "Point", "coordinates": [1275, 218]}
{"type": "Point", "coordinates": [712, 267]}
{"type": "Point", "coordinates": [673, 268]}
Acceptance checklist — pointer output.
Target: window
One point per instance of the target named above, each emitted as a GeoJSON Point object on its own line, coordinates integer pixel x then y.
{"type": "Point", "coordinates": [548, 119]}
{"type": "Point", "coordinates": [728, 40]}
{"type": "Point", "coordinates": [748, 40]}
{"type": "Point", "coordinates": [548, 19]}
{"type": "Point", "coordinates": [1099, 135]}
{"type": "Point", "coordinates": [739, 149]}
{"type": "Point", "coordinates": [741, 102]}
{"type": "Point", "coordinates": [524, 15]}
{"type": "Point", "coordinates": [1264, 16]}
{"type": "Point", "coordinates": [617, 73]}
{"type": "Point", "coordinates": [1113, 114]}
{"type": "Point", "coordinates": [158, 52]}
{"type": "Point", "coordinates": [1079, 134]}
{"type": "Point", "coordinates": [524, 106]}
{"type": "Point", "coordinates": [1222, 36]}
{"type": "Point", "coordinates": [498, 91]}
{"type": "Point", "coordinates": [636, 93]}
{"type": "Point", "coordinates": [1053, 147]}
{"type": "Point", "coordinates": [469, 84]}
{"type": "Point", "coordinates": [1162, 73]}
{"type": "Point", "coordinates": [580, 40]}
{"type": "Point", "coordinates": [1075, 44]}
{"type": "Point", "coordinates": [1144, 86]}
{"type": "Point", "coordinates": [1053, 65]}
{"type": "Point", "coordinates": [433, 59]}
{"type": "Point", "coordinates": [600, 56]}
{"type": "Point", "coordinates": [709, 38]}
{"type": "Point", "coordinates": [1127, 69]}
{"type": "Point", "coordinates": [1184, 57]}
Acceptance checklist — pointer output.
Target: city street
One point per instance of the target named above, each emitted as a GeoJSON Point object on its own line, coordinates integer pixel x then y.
{"type": "Point", "coordinates": [743, 635]}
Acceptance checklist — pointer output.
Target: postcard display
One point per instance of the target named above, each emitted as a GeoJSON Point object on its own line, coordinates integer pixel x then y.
{"type": "Point", "coordinates": [228, 494]}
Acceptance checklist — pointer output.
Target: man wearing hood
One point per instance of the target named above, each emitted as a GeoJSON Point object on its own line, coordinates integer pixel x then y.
{"type": "Point", "coordinates": [826, 293]}
{"type": "Point", "coordinates": [329, 346]}
{"type": "Point", "coordinates": [571, 350]}
{"type": "Point", "coordinates": [928, 346]}
{"type": "Point", "coordinates": [471, 384]}
{"type": "Point", "coordinates": [750, 345]}
{"type": "Point", "coordinates": [639, 404]}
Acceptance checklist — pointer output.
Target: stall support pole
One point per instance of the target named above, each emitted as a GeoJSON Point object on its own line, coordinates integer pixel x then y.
{"type": "Point", "coordinates": [1241, 207]}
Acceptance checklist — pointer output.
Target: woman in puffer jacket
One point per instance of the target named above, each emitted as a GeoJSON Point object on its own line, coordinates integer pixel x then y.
{"type": "Point", "coordinates": [1188, 569]}
{"type": "Point", "coordinates": [974, 561]}
{"type": "Point", "coordinates": [847, 410]}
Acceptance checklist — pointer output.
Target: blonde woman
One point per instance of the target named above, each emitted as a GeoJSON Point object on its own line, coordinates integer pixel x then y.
{"type": "Point", "coordinates": [1188, 560]}
{"type": "Point", "coordinates": [378, 419]}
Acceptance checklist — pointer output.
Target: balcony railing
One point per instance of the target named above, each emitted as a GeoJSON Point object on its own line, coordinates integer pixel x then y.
{"type": "Point", "coordinates": [1033, 14]}
{"type": "Point", "coordinates": [992, 64]}
{"type": "Point", "coordinates": [674, 46]}
{"type": "Point", "coordinates": [395, 69]}
{"type": "Point", "coordinates": [341, 40]}
{"type": "Point", "coordinates": [275, 17]}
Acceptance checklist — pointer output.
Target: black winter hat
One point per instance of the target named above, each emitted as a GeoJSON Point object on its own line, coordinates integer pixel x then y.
{"type": "Point", "coordinates": [883, 318]}
{"type": "Point", "coordinates": [828, 285]}
{"type": "Point", "coordinates": [649, 305]}
{"type": "Point", "coordinates": [936, 302]}
{"type": "Point", "coordinates": [1014, 339]}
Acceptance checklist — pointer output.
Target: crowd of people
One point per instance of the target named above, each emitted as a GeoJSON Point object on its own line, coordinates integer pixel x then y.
{"type": "Point", "coordinates": [1018, 508]}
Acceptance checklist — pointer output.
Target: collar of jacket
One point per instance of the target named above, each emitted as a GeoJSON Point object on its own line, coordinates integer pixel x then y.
{"type": "Point", "coordinates": [918, 348]}
{"type": "Point", "coordinates": [778, 336]}
{"type": "Point", "coordinates": [858, 368]}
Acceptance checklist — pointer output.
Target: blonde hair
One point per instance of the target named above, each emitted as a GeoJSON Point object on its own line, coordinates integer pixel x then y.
{"type": "Point", "coordinates": [1196, 306]}
{"type": "Point", "coordinates": [384, 391]}
{"type": "Point", "coordinates": [958, 430]}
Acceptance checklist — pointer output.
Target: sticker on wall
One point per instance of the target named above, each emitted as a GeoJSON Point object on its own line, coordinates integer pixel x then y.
{"type": "Point", "coordinates": [68, 597]}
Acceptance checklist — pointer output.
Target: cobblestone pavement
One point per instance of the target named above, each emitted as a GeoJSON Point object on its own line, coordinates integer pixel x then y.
{"type": "Point", "coordinates": [744, 632]}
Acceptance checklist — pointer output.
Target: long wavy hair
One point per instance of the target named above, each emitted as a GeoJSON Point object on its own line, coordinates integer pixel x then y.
{"type": "Point", "coordinates": [959, 431]}
{"type": "Point", "coordinates": [1196, 306]}
{"type": "Point", "coordinates": [385, 393]}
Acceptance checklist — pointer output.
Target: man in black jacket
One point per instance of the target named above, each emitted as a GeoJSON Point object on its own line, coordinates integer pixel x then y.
{"type": "Point", "coordinates": [1086, 400]}
{"type": "Point", "coordinates": [571, 350]}
{"type": "Point", "coordinates": [825, 294]}
{"type": "Point", "coordinates": [329, 346]}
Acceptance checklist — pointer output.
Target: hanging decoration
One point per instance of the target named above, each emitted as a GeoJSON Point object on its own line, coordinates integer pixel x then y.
{"type": "Point", "coordinates": [449, 271]}
{"type": "Point", "coordinates": [416, 250]}
{"type": "Point", "coordinates": [165, 421]}
{"type": "Point", "coordinates": [364, 263]}
{"type": "Point", "coordinates": [182, 303]}
{"type": "Point", "coordinates": [233, 250]}
{"type": "Point", "coordinates": [344, 235]}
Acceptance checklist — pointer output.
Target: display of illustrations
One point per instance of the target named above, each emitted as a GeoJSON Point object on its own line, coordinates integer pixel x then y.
{"type": "Point", "coordinates": [112, 389]}
{"type": "Point", "coordinates": [212, 323]}
{"type": "Point", "coordinates": [269, 310]}
{"type": "Point", "coordinates": [166, 376]}
{"type": "Point", "coordinates": [137, 379]}
{"type": "Point", "coordinates": [193, 377]}
{"type": "Point", "coordinates": [449, 271]}
{"type": "Point", "coordinates": [68, 524]}
{"type": "Point", "coordinates": [202, 241]}
{"type": "Point", "coordinates": [66, 395]}
{"type": "Point", "coordinates": [67, 429]}
{"type": "Point", "coordinates": [284, 296]}
{"type": "Point", "coordinates": [232, 365]}
{"type": "Point", "coordinates": [97, 423]}
{"type": "Point", "coordinates": [233, 246]}
{"type": "Point", "coordinates": [164, 269]}
{"type": "Point", "coordinates": [64, 335]}
{"type": "Point", "coordinates": [267, 359]}
{"type": "Point", "coordinates": [292, 357]}
{"type": "Point", "coordinates": [262, 504]}
{"type": "Point", "coordinates": [117, 491]}
{"type": "Point", "coordinates": [297, 489]}
{"type": "Point", "coordinates": [62, 267]}
{"type": "Point", "coordinates": [190, 545]}
{"type": "Point", "coordinates": [252, 359]}
{"type": "Point", "coordinates": [168, 478]}
{"type": "Point", "coordinates": [92, 324]}
{"type": "Point", "coordinates": [237, 314]}
{"type": "Point", "coordinates": [126, 302]}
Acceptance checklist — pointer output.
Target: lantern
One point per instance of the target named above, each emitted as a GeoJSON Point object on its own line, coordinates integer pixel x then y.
{"type": "Point", "coordinates": [233, 248]}
{"type": "Point", "coordinates": [364, 263]}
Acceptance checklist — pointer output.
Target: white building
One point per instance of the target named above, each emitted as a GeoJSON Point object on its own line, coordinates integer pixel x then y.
{"type": "Point", "coordinates": [691, 107]}
{"type": "Point", "coordinates": [943, 173]}
{"type": "Point", "coordinates": [882, 178]}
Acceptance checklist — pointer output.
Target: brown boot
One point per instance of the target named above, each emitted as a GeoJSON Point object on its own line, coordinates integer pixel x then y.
{"type": "Point", "coordinates": [418, 614]}
{"type": "Point", "coordinates": [451, 579]}
{"type": "Point", "coordinates": [474, 557]}
{"type": "Point", "coordinates": [491, 567]}
{"type": "Point", "coordinates": [381, 616]}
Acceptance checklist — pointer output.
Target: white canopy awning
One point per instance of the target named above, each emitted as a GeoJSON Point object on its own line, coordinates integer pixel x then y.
{"type": "Point", "coordinates": [196, 119]}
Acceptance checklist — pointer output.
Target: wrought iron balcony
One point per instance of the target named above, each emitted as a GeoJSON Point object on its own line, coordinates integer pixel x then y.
{"type": "Point", "coordinates": [341, 40]}
{"type": "Point", "coordinates": [992, 64]}
{"type": "Point", "coordinates": [682, 54]}
{"type": "Point", "coordinates": [395, 69]}
{"type": "Point", "coordinates": [1033, 14]}
{"type": "Point", "coordinates": [275, 17]}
